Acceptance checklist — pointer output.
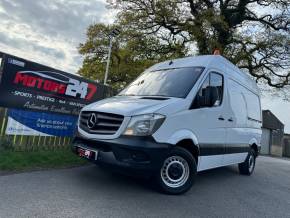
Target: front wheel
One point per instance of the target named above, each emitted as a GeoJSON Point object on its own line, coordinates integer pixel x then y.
{"type": "Point", "coordinates": [177, 173]}
{"type": "Point", "coordinates": [247, 167]}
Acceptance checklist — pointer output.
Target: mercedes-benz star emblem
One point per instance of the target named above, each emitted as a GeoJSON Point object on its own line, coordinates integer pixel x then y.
{"type": "Point", "coordinates": [92, 121]}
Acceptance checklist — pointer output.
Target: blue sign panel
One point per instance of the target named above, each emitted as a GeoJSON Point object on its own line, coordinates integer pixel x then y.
{"type": "Point", "coordinates": [21, 122]}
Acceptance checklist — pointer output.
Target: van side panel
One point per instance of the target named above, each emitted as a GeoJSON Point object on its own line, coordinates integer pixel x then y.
{"type": "Point", "coordinates": [237, 103]}
{"type": "Point", "coordinates": [244, 111]}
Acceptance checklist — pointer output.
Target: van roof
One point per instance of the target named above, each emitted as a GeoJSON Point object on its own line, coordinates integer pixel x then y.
{"type": "Point", "coordinates": [209, 61]}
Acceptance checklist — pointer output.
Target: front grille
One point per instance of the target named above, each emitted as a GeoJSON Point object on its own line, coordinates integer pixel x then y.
{"type": "Point", "coordinates": [107, 123]}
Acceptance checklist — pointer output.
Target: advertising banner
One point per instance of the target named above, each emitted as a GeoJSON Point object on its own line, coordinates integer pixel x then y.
{"type": "Point", "coordinates": [31, 86]}
{"type": "Point", "coordinates": [29, 123]}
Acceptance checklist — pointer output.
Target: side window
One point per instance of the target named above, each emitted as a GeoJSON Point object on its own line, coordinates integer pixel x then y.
{"type": "Point", "coordinates": [211, 92]}
{"type": "Point", "coordinates": [216, 80]}
{"type": "Point", "coordinates": [204, 86]}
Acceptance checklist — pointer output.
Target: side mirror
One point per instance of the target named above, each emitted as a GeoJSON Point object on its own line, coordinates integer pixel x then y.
{"type": "Point", "coordinates": [210, 97]}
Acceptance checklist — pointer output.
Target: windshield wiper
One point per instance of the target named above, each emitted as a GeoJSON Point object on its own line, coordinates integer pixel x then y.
{"type": "Point", "coordinates": [162, 96]}
{"type": "Point", "coordinates": [127, 95]}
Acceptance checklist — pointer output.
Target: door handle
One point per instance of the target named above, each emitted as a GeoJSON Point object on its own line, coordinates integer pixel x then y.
{"type": "Point", "coordinates": [221, 118]}
{"type": "Point", "coordinates": [230, 119]}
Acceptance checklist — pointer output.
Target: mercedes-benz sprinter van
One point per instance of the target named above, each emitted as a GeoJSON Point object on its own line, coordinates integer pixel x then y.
{"type": "Point", "coordinates": [177, 118]}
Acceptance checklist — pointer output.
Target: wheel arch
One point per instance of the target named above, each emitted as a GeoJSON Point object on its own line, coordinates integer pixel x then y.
{"type": "Point", "coordinates": [255, 147]}
{"type": "Point", "coordinates": [189, 145]}
{"type": "Point", "coordinates": [254, 144]}
{"type": "Point", "coordinates": [181, 135]}
{"type": "Point", "coordinates": [187, 139]}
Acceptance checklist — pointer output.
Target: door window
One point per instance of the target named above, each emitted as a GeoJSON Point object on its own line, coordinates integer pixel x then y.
{"type": "Point", "coordinates": [216, 80]}
{"type": "Point", "coordinates": [213, 80]}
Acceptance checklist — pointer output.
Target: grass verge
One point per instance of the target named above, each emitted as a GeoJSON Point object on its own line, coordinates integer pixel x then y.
{"type": "Point", "coordinates": [20, 161]}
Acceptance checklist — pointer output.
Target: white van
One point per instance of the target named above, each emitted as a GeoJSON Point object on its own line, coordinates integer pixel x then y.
{"type": "Point", "coordinates": [177, 118]}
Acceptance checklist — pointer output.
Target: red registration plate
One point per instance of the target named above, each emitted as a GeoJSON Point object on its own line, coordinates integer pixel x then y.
{"type": "Point", "coordinates": [86, 153]}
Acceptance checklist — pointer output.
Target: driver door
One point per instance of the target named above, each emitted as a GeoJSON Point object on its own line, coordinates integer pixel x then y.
{"type": "Point", "coordinates": [209, 123]}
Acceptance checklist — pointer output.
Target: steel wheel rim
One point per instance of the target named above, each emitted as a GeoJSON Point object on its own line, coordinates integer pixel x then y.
{"type": "Point", "coordinates": [251, 163]}
{"type": "Point", "coordinates": [177, 162]}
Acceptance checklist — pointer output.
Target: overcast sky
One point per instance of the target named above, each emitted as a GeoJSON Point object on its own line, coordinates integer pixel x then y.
{"type": "Point", "coordinates": [49, 31]}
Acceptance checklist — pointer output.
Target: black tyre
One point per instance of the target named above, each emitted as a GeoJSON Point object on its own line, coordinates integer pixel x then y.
{"type": "Point", "coordinates": [177, 173]}
{"type": "Point", "coordinates": [247, 167]}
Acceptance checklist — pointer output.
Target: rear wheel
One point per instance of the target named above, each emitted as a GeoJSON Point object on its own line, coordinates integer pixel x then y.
{"type": "Point", "coordinates": [247, 167]}
{"type": "Point", "coordinates": [177, 173]}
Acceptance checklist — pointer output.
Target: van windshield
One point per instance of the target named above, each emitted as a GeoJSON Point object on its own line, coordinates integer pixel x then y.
{"type": "Point", "coordinates": [175, 82]}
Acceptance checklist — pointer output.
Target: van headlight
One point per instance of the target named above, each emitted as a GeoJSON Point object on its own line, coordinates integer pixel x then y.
{"type": "Point", "coordinates": [144, 125]}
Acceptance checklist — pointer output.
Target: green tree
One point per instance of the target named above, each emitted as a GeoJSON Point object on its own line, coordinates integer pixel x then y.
{"type": "Point", "coordinates": [254, 34]}
{"type": "Point", "coordinates": [131, 54]}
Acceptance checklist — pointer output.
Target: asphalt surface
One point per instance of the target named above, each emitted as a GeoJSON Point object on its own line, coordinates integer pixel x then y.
{"type": "Point", "coordinates": [92, 192]}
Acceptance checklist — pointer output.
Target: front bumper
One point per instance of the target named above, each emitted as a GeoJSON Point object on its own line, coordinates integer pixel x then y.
{"type": "Point", "coordinates": [127, 154]}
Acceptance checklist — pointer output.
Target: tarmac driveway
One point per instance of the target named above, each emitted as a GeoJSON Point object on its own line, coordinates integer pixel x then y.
{"type": "Point", "coordinates": [92, 192]}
